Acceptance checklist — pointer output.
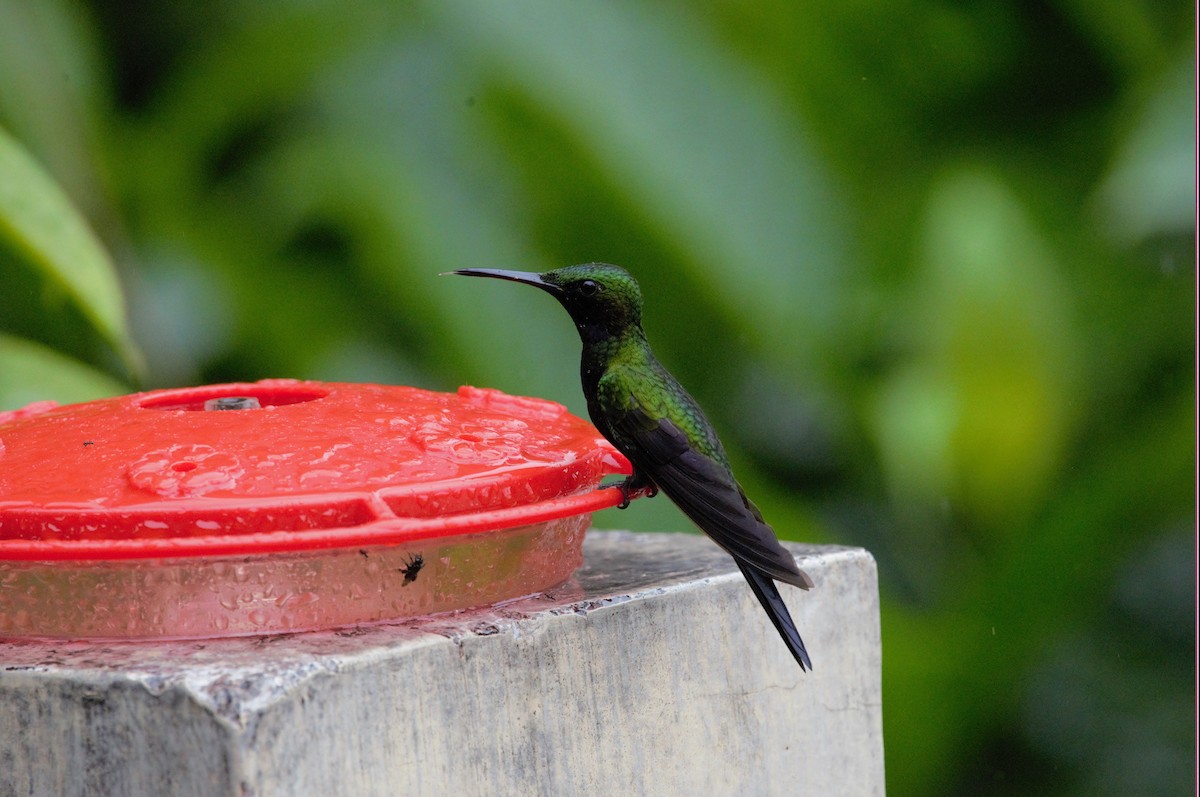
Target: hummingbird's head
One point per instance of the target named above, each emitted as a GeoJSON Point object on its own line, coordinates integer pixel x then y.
{"type": "Point", "coordinates": [602, 299]}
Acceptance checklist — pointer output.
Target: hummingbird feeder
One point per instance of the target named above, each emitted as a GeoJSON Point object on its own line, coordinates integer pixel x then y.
{"type": "Point", "coordinates": [282, 506]}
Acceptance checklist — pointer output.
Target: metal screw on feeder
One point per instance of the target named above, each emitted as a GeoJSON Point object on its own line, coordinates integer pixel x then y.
{"type": "Point", "coordinates": [168, 516]}
{"type": "Point", "coordinates": [232, 403]}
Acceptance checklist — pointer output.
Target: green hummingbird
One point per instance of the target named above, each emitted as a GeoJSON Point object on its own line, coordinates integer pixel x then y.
{"type": "Point", "coordinates": [648, 416]}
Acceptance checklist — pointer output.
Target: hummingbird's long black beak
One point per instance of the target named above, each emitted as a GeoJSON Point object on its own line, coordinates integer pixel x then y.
{"type": "Point", "coordinates": [526, 277]}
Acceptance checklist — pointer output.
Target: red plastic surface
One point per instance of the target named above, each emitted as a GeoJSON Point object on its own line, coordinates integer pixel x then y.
{"type": "Point", "coordinates": [315, 466]}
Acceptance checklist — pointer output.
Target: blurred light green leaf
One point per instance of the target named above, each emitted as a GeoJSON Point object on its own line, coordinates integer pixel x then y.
{"type": "Point", "coordinates": [47, 235]}
{"type": "Point", "coordinates": [30, 372]}
{"type": "Point", "coordinates": [1152, 187]}
{"type": "Point", "coordinates": [50, 82]}
{"type": "Point", "coordinates": [982, 415]}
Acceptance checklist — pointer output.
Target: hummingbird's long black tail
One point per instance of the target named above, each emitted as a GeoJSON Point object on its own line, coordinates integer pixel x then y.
{"type": "Point", "coordinates": [768, 595]}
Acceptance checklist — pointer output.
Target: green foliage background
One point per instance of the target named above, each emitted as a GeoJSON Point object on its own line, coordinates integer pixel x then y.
{"type": "Point", "coordinates": [930, 266]}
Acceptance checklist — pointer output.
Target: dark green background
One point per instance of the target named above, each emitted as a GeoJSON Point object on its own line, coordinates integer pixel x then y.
{"type": "Point", "coordinates": [929, 265]}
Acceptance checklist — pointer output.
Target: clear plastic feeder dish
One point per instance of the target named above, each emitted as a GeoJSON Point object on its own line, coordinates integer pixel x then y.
{"type": "Point", "coordinates": [284, 506]}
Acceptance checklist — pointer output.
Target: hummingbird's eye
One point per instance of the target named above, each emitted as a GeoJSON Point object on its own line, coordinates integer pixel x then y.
{"type": "Point", "coordinates": [589, 287]}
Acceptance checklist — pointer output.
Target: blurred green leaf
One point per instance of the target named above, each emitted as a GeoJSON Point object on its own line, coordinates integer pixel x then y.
{"type": "Point", "coordinates": [30, 372]}
{"type": "Point", "coordinates": [43, 232]}
{"type": "Point", "coordinates": [987, 412]}
{"type": "Point", "coordinates": [1152, 187]}
{"type": "Point", "coordinates": [701, 146]}
{"type": "Point", "coordinates": [49, 89]}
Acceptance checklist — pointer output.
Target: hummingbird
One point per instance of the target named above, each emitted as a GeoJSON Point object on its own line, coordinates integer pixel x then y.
{"type": "Point", "coordinates": [648, 416]}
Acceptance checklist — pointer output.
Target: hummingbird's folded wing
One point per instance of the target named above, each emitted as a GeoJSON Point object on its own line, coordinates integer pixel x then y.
{"type": "Point", "coordinates": [707, 493]}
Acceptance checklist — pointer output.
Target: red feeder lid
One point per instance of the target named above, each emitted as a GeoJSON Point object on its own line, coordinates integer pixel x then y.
{"type": "Point", "coordinates": [284, 465]}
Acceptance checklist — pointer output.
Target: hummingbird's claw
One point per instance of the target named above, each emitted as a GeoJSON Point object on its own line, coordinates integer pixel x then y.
{"type": "Point", "coordinates": [623, 486]}
{"type": "Point", "coordinates": [632, 486]}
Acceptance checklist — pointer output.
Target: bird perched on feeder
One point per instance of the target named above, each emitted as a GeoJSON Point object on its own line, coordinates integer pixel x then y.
{"type": "Point", "coordinates": [648, 416]}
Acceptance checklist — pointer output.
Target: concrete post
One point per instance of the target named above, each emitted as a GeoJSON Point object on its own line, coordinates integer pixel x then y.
{"type": "Point", "coordinates": [654, 671]}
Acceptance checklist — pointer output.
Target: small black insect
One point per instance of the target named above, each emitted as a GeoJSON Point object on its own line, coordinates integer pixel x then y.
{"type": "Point", "coordinates": [411, 568]}
{"type": "Point", "coordinates": [88, 443]}
{"type": "Point", "coordinates": [363, 553]}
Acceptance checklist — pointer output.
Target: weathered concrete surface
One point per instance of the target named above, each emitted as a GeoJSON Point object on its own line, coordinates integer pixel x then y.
{"type": "Point", "coordinates": [653, 672]}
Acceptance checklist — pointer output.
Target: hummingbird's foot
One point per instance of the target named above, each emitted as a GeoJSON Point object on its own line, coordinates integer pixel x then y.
{"type": "Point", "coordinates": [634, 485]}
{"type": "Point", "coordinates": [624, 496]}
